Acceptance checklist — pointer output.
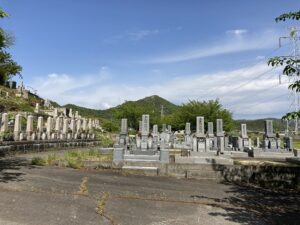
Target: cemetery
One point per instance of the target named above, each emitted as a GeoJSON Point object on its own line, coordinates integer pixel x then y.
{"type": "Point", "coordinates": [149, 113]}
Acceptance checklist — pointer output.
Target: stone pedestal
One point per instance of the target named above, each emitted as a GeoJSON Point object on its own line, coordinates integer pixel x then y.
{"type": "Point", "coordinates": [118, 154]}
{"type": "Point", "coordinates": [164, 156]}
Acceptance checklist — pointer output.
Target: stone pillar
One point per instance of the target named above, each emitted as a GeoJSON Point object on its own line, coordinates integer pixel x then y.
{"type": "Point", "coordinates": [220, 136]}
{"type": "Point", "coordinates": [17, 127]}
{"type": "Point", "coordinates": [40, 127]}
{"type": "Point", "coordinates": [90, 125]}
{"type": "Point", "coordinates": [84, 124]}
{"type": "Point", "coordinates": [210, 129]}
{"type": "Point", "coordinates": [37, 108]}
{"type": "Point", "coordinates": [49, 127]}
{"type": "Point", "coordinates": [145, 131]}
{"type": "Point", "coordinates": [200, 135]}
{"type": "Point", "coordinates": [65, 126]}
{"type": "Point", "coordinates": [187, 130]}
{"type": "Point", "coordinates": [72, 127]}
{"type": "Point", "coordinates": [70, 113]}
{"type": "Point", "coordinates": [29, 127]}
{"type": "Point", "coordinates": [4, 122]}
{"type": "Point", "coordinates": [140, 126]}
{"type": "Point", "coordinates": [40, 124]}
{"type": "Point", "coordinates": [57, 124]}
{"type": "Point", "coordinates": [55, 112]}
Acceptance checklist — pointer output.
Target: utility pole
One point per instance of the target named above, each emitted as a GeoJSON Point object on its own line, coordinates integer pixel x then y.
{"type": "Point", "coordinates": [293, 95]}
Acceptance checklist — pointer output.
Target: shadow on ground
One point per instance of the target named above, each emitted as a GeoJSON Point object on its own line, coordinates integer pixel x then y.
{"type": "Point", "coordinates": [9, 169]}
{"type": "Point", "coordinates": [252, 206]}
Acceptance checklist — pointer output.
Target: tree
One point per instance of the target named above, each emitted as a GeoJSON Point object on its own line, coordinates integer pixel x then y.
{"type": "Point", "coordinates": [8, 67]}
{"type": "Point", "coordinates": [211, 110]}
{"type": "Point", "coordinates": [290, 64]}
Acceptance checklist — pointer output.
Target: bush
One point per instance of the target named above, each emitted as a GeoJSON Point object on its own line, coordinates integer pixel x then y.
{"type": "Point", "coordinates": [38, 161]}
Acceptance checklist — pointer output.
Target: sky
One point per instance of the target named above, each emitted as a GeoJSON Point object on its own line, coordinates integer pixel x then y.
{"type": "Point", "coordinates": [100, 53]}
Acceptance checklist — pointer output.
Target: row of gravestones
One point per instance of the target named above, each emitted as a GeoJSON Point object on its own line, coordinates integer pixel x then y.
{"type": "Point", "coordinates": [58, 128]}
{"type": "Point", "coordinates": [200, 141]}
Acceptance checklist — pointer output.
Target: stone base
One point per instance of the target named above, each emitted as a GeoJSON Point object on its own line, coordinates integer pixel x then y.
{"type": "Point", "coordinates": [143, 152]}
{"type": "Point", "coordinates": [270, 153]}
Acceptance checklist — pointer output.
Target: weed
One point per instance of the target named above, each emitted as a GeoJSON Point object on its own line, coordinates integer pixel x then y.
{"type": "Point", "coordinates": [38, 161]}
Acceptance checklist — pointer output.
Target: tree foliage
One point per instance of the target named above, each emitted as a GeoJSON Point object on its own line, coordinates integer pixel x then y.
{"type": "Point", "coordinates": [290, 64]}
{"type": "Point", "coordinates": [211, 110]}
{"type": "Point", "coordinates": [8, 67]}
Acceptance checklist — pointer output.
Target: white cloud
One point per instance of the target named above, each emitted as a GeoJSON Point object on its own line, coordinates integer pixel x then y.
{"type": "Point", "coordinates": [237, 31]}
{"type": "Point", "coordinates": [246, 91]}
{"type": "Point", "coordinates": [136, 36]}
{"type": "Point", "coordinates": [232, 44]}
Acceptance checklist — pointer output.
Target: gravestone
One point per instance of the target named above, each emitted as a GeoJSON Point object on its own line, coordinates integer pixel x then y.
{"type": "Point", "coordinates": [4, 122]}
{"type": "Point", "coordinates": [187, 128]}
{"type": "Point", "coordinates": [37, 108]}
{"type": "Point", "coordinates": [49, 127]}
{"type": "Point", "coordinates": [210, 129]}
{"type": "Point", "coordinates": [200, 126]}
{"type": "Point", "coordinates": [155, 130]}
{"type": "Point", "coordinates": [29, 127]}
{"type": "Point", "coordinates": [244, 130]}
{"type": "Point", "coordinates": [220, 132]}
{"type": "Point", "coordinates": [124, 128]}
{"type": "Point", "coordinates": [269, 129]}
{"type": "Point", "coordinates": [145, 124]}
{"type": "Point", "coordinates": [123, 133]}
{"type": "Point", "coordinates": [140, 126]}
{"type": "Point", "coordinates": [164, 128]}
{"type": "Point", "coordinates": [17, 127]}
{"type": "Point", "coordinates": [169, 129]}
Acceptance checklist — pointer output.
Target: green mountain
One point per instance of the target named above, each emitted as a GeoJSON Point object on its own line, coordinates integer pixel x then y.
{"type": "Point", "coordinates": [151, 105]}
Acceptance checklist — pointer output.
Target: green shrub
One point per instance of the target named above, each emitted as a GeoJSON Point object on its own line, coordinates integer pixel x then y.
{"type": "Point", "coordinates": [74, 163]}
{"type": "Point", "coordinates": [7, 136]}
{"type": "Point", "coordinates": [38, 161]}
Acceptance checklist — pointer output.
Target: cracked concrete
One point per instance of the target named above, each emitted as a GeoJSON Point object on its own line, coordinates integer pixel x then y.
{"type": "Point", "coordinates": [49, 195]}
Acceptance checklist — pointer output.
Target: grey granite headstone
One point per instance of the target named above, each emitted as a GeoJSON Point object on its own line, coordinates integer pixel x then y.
{"type": "Point", "coordinates": [210, 129]}
{"type": "Point", "coordinates": [220, 132]}
{"type": "Point", "coordinates": [140, 126]}
{"type": "Point", "coordinates": [244, 130]}
{"type": "Point", "coordinates": [155, 130]}
{"type": "Point", "coordinates": [188, 128]}
{"type": "Point", "coordinates": [169, 128]}
{"type": "Point", "coordinates": [200, 126]}
{"type": "Point", "coordinates": [124, 128]}
{"type": "Point", "coordinates": [269, 129]}
{"type": "Point", "coordinates": [145, 124]}
{"type": "Point", "coordinates": [164, 128]}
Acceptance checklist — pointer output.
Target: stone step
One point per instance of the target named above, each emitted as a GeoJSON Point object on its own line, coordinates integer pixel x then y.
{"type": "Point", "coordinates": [140, 170]}
{"type": "Point", "coordinates": [142, 157]}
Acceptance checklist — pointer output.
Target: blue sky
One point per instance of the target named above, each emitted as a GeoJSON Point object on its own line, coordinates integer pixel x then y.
{"type": "Point", "coordinates": [100, 53]}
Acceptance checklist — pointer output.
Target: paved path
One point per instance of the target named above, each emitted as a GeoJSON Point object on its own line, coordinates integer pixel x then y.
{"type": "Point", "coordinates": [61, 196]}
